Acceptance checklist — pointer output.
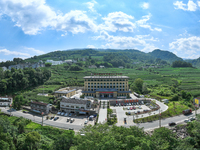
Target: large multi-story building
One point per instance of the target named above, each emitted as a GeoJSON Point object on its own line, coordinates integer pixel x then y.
{"type": "Point", "coordinates": [106, 86]}
{"type": "Point", "coordinates": [64, 92]}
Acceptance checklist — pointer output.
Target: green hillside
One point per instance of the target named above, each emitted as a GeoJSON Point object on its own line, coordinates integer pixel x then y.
{"type": "Point", "coordinates": [165, 55]}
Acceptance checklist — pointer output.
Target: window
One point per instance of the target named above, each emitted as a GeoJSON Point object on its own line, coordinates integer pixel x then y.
{"type": "Point", "coordinates": [67, 105]}
{"type": "Point", "coordinates": [77, 106]}
{"type": "Point", "coordinates": [72, 106]}
{"type": "Point", "coordinates": [82, 108]}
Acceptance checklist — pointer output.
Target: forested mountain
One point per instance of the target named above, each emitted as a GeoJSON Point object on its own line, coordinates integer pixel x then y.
{"type": "Point", "coordinates": [194, 62]}
{"type": "Point", "coordinates": [130, 55]}
{"type": "Point", "coordinates": [165, 55]}
{"type": "Point", "coordinates": [115, 57]}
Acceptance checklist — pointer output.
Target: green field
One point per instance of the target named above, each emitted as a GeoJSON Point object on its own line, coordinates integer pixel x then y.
{"type": "Point", "coordinates": [160, 81]}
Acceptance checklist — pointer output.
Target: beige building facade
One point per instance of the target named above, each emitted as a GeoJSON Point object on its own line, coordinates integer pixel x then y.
{"type": "Point", "coordinates": [106, 86]}
{"type": "Point", "coordinates": [64, 92]}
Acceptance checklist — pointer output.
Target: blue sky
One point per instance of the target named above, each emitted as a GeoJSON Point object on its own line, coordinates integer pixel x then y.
{"type": "Point", "coordinates": [35, 27]}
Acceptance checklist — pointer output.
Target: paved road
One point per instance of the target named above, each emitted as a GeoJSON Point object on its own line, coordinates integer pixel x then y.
{"type": "Point", "coordinates": [103, 113]}
{"type": "Point", "coordinates": [38, 119]}
{"type": "Point", "coordinates": [146, 126]}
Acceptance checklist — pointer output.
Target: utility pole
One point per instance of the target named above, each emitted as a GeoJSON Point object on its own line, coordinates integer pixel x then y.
{"type": "Point", "coordinates": [42, 118]}
{"type": "Point", "coordinates": [160, 118]}
{"type": "Point", "coordinates": [10, 109]}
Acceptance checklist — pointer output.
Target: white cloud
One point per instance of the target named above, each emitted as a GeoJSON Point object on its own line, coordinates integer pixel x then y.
{"type": "Point", "coordinates": [90, 46]}
{"type": "Point", "coordinates": [33, 16]}
{"type": "Point", "coordinates": [143, 23]}
{"type": "Point", "coordinates": [198, 2]}
{"type": "Point", "coordinates": [187, 47]}
{"type": "Point", "coordinates": [145, 5]}
{"type": "Point", "coordinates": [124, 42]}
{"type": "Point", "coordinates": [3, 60]}
{"type": "Point", "coordinates": [34, 51]}
{"type": "Point", "coordinates": [91, 5]}
{"type": "Point", "coordinates": [118, 21]}
{"type": "Point", "coordinates": [190, 6]}
{"type": "Point", "coordinates": [15, 53]}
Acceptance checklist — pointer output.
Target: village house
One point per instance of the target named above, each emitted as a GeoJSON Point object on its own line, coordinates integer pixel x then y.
{"type": "Point", "coordinates": [5, 101]}
{"type": "Point", "coordinates": [39, 107]}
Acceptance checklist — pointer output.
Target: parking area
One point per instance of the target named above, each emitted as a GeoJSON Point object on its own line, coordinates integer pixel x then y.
{"type": "Point", "coordinates": [131, 111]}
{"type": "Point", "coordinates": [72, 119]}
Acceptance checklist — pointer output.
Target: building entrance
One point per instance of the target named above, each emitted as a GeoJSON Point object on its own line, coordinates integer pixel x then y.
{"type": "Point", "coordinates": [106, 95]}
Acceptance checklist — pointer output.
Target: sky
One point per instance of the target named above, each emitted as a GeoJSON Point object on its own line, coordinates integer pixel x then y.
{"type": "Point", "coordinates": [35, 27]}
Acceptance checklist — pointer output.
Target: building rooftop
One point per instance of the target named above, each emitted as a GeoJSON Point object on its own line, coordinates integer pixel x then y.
{"type": "Point", "coordinates": [73, 100]}
{"type": "Point", "coordinates": [64, 91]}
{"type": "Point", "coordinates": [106, 77]}
{"type": "Point", "coordinates": [39, 103]}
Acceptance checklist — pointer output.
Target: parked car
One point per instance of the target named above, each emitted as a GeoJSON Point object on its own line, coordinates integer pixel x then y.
{"type": "Point", "coordinates": [134, 107]}
{"type": "Point", "coordinates": [128, 108]}
{"type": "Point", "coordinates": [51, 117]}
{"type": "Point", "coordinates": [131, 108]}
{"type": "Point", "coordinates": [140, 107]}
{"type": "Point", "coordinates": [56, 118]}
{"type": "Point", "coordinates": [132, 103]}
{"type": "Point", "coordinates": [187, 111]}
{"type": "Point", "coordinates": [71, 128]}
{"type": "Point", "coordinates": [122, 104]}
{"type": "Point", "coordinates": [119, 104]}
{"type": "Point", "coordinates": [24, 111]}
{"type": "Point", "coordinates": [116, 105]}
{"type": "Point", "coordinates": [62, 114]}
{"type": "Point", "coordinates": [191, 118]}
{"type": "Point", "coordinates": [172, 123]}
{"type": "Point", "coordinates": [86, 121]}
{"type": "Point", "coordinates": [187, 120]}
{"type": "Point", "coordinates": [129, 104]}
{"type": "Point", "coordinates": [66, 114]}
{"type": "Point", "coordinates": [58, 113]}
{"type": "Point", "coordinates": [72, 120]}
{"type": "Point", "coordinates": [68, 119]}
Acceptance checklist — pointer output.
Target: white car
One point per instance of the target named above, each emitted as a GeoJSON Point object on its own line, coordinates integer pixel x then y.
{"type": "Point", "coordinates": [58, 113]}
{"type": "Point", "coordinates": [187, 120]}
{"type": "Point", "coordinates": [62, 114]}
{"type": "Point", "coordinates": [66, 114]}
{"type": "Point", "coordinates": [140, 107]}
{"type": "Point", "coordinates": [86, 121]}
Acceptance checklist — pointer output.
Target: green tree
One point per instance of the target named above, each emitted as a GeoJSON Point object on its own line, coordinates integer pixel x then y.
{"type": "Point", "coordinates": [32, 140]}
{"type": "Point", "coordinates": [64, 141]}
{"type": "Point", "coordinates": [17, 102]}
{"type": "Point", "coordinates": [138, 83]}
{"type": "Point", "coordinates": [164, 139]}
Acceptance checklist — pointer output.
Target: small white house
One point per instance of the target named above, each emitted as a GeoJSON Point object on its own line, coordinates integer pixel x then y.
{"type": "Point", "coordinates": [5, 101]}
{"type": "Point", "coordinates": [101, 66]}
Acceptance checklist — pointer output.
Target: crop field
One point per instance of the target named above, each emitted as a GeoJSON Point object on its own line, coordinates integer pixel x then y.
{"type": "Point", "coordinates": [159, 80]}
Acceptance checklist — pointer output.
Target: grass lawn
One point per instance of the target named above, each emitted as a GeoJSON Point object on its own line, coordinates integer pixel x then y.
{"type": "Point", "coordinates": [33, 125]}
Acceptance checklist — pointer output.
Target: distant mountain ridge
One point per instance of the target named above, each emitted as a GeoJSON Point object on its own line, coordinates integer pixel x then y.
{"type": "Point", "coordinates": [132, 54]}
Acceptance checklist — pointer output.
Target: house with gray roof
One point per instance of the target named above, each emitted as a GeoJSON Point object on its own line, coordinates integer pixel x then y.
{"type": "Point", "coordinates": [39, 107]}
{"type": "Point", "coordinates": [74, 105]}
